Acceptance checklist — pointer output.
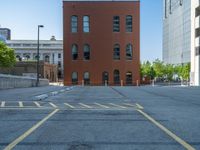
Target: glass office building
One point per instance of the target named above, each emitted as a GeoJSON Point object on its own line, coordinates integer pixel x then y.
{"type": "Point", "coordinates": [176, 31]}
{"type": "Point", "coordinates": [181, 32]}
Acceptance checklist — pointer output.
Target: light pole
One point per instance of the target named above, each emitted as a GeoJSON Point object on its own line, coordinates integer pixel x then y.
{"type": "Point", "coordinates": [38, 52]}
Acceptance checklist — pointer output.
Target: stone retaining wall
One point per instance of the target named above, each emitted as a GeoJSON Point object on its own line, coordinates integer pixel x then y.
{"type": "Point", "coordinates": [10, 81]}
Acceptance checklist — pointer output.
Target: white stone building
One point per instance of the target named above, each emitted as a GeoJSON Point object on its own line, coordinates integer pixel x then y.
{"type": "Point", "coordinates": [181, 31]}
{"type": "Point", "coordinates": [51, 51]}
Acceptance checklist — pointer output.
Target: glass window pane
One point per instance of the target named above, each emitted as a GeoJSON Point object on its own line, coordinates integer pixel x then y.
{"type": "Point", "coordinates": [116, 24]}
{"type": "Point", "coordinates": [86, 24]}
{"type": "Point", "coordinates": [86, 52]}
{"type": "Point", "coordinates": [74, 75]}
{"type": "Point", "coordinates": [86, 77]}
{"type": "Point", "coordinates": [74, 24]}
{"type": "Point", "coordinates": [74, 52]}
{"type": "Point", "coordinates": [129, 23]}
{"type": "Point", "coordinates": [74, 78]}
{"type": "Point", "coordinates": [116, 54]}
{"type": "Point", "coordinates": [129, 52]}
{"type": "Point", "coordinates": [86, 19]}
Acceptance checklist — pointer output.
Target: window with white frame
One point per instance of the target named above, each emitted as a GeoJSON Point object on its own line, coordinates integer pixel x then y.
{"type": "Point", "coordinates": [129, 23]}
{"type": "Point", "coordinates": [86, 24]}
{"type": "Point", "coordinates": [74, 24]}
{"type": "Point", "coordinates": [116, 24]}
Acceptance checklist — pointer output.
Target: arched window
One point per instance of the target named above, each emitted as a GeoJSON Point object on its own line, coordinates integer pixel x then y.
{"type": "Point", "coordinates": [35, 57]}
{"type": "Point", "coordinates": [116, 77]}
{"type": "Point", "coordinates": [18, 58]}
{"type": "Point", "coordinates": [74, 78]}
{"type": "Point", "coordinates": [86, 51]}
{"type": "Point", "coordinates": [86, 77]}
{"type": "Point", "coordinates": [27, 57]}
{"type": "Point", "coordinates": [129, 52]}
{"type": "Point", "coordinates": [46, 58]}
{"type": "Point", "coordinates": [74, 52]}
{"type": "Point", "coordinates": [105, 77]}
{"type": "Point", "coordinates": [116, 53]}
{"type": "Point", "coordinates": [74, 24]}
{"type": "Point", "coordinates": [129, 78]}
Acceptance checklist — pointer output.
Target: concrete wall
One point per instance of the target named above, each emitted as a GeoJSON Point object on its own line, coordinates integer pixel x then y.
{"type": "Point", "coordinates": [22, 68]}
{"type": "Point", "coordinates": [10, 81]}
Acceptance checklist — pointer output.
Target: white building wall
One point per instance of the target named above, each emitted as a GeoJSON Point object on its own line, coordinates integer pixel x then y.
{"type": "Point", "coordinates": [195, 61]}
{"type": "Point", "coordinates": [176, 31]}
{"type": "Point", "coordinates": [179, 41]}
{"type": "Point", "coordinates": [47, 47]}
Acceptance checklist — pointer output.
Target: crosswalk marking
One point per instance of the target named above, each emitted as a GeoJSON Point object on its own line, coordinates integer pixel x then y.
{"type": "Point", "coordinates": [104, 106]}
{"type": "Point", "coordinates": [117, 105]}
{"type": "Point", "coordinates": [53, 105]}
{"type": "Point", "coordinates": [3, 104]}
{"type": "Point", "coordinates": [127, 104]}
{"type": "Point", "coordinates": [21, 104]}
{"type": "Point", "coordinates": [69, 105]}
{"type": "Point", "coordinates": [37, 104]}
{"type": "Point", "coordinates": [84, 105]}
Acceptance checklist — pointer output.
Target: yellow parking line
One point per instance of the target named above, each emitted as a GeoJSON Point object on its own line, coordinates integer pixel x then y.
{"type": "Point", "coordinates": [28, 132]}
{"type": "Point", "coordinates": [132, 105]}
{"type": "Point", "coordinates": [37, 104]}
{"type": "Point", "coordinates": [139, 106]}
{"type": "Point", "coordinates": [117, 105]}
{"type": "Point", "coordinates": [69, 105]}
{"type": "Point", "coordinates": [84, 105]}
{"type": "Point", "coordinates": [3, 104]}
{"type": "Point", "coordinates": [104, 106]}
{"type": "Point", "coordinates": [53, 105]}
{"type": "Point", "coordinates": [168, 132]}
{"type": "Point", "coordinates": [21, 104]}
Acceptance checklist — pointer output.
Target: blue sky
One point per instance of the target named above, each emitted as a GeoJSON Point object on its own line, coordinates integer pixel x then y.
{"type": "Point", "coordinates": [23, 16]}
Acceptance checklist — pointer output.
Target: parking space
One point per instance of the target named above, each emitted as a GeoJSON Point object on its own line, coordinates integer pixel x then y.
{"type": "Point", "coordinates": [98, 130]}
{"type": "Point", "coordinates": [111, 118]}
{"type": "Point", "coordinates": [14, 123]}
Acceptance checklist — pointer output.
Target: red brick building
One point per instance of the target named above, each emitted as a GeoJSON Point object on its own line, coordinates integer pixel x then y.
{"type": "Point", "coordinates": [101, 42]}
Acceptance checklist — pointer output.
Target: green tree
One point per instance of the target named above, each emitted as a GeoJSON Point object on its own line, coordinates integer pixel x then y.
{"type": "Point", "coordinates": [147, 70]}
{"type": "Point", "coordinates": [7, 56]}
{"type": "Point", "coordinates": [169, 71]}
{"type": "Point", "coordinates": [185, 73]}
{"type": "Point", "coordinates": [178, 70]}
{"type": "Point", "coordinates": [158, 67]}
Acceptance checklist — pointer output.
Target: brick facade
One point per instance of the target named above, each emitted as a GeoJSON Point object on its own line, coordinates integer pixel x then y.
{"type": "Point", "coordinates": [102, 40]}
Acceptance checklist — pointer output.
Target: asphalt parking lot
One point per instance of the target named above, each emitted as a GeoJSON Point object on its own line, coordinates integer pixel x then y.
{"type": "Point", "coordinates": [103, 118]}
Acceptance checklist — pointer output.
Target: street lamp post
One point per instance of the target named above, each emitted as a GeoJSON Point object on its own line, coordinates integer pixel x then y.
{"type": "Point", "coordinates": [38, 52]}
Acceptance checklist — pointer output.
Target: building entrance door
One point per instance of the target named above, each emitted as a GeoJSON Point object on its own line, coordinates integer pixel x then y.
{"type": "Point", "coordinates": [105, 78]}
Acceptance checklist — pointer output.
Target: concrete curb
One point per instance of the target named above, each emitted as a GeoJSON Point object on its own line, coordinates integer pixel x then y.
{"type": "Point", "coordinates": [54, 93]}
{"type": "Point", "coordinates": [40, 97]}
